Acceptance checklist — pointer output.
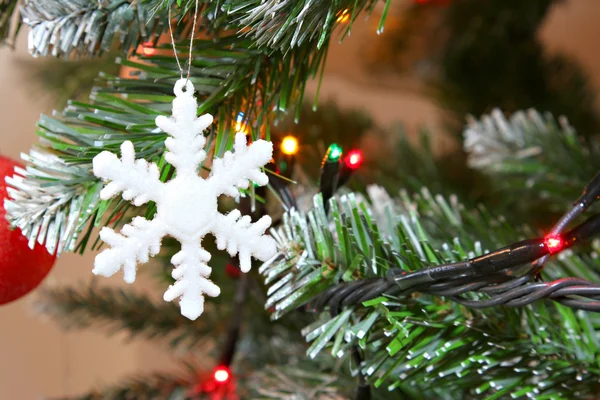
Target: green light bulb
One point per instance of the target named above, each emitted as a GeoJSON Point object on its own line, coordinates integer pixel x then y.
{"type": "Point", "coordinates": [334, 152]}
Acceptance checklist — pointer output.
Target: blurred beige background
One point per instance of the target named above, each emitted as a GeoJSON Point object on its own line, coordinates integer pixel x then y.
{"type": "Point", "coordinates": [38, 360]}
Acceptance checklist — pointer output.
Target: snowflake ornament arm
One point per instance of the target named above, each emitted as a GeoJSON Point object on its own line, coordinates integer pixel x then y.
{"type": "Point", "coordinates": [190, 273]}
{"type": "Point", "coordinates": [138, 180]}
{"type": "Point", "coordinates": [137, 242]}
{"type": "Point", "coordinates": [186, 205]}
{"type": "Point", "coordinates": [235, 170]}
{"type": "Point", "coordinates": [237, 234]}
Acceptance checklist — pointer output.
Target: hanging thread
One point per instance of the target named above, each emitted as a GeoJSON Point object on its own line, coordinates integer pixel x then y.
{"type": "Point", "coordinates": [189, 62]}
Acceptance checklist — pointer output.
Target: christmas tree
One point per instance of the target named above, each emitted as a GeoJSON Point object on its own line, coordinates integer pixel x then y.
{"type": "Point", "coordinates": [471, 274]}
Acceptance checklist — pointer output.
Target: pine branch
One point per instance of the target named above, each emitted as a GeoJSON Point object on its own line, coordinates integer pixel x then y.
{"type": "Point", "coordinates": [285, 381]}
{"type": "Point", "coordinates": [284, 24]}
{"type": "Point", "coordinates": [51, 201]}
{"type": "Point", "coordinates": [153, 387]}
{"type": "Point", "coordinates": [88, 27]}
{"type": "Point", "coordinates": [532, 155]}
{"type": "Point", "coordinates": [293, 375]}
{"type": "Point", "coordinates": [230, 77]}
{"type": "Point", "coordinates": [424, 342]}
{"type": "Point", "coordinates": [8, 26]}
{"type": "Point", "coordinates": [116, 310]}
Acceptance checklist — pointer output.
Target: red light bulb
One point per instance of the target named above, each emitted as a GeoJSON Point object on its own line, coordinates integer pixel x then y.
{"type": "Point", "coordinates": [353, 159]}
{"type": "Point", "coordinates": [221, 374]}
{"type": "Point", "coordinates": [554, 243]}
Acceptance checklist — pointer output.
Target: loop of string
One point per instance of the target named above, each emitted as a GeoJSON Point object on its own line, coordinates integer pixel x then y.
{"type": "Point", "coordinates": [189, 62]}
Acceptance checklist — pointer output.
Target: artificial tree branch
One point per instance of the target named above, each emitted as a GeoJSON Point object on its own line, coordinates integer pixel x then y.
{"type": "Point", "coordinates": [347, 254]}
{"type": "Point", "coordinates": [8, 30]}
{"type": "Point", "coordinates": [236, 319]}
{"type": "Point", "coordinates": [275, 25]}
{"type": "Point", "coordinates": [155, 386]}
{"type": "Point", "coordinates": [115, 309]}
{"type": "Point", "coordinates": [88, 27]}
{"type": "Point", "coordinates": [363, 390]}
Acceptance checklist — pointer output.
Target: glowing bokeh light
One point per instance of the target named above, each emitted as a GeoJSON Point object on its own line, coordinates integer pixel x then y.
{"type": "Point", "coordinates": [553, 243]}
{"type": "Point", "coordinates": [289, 145]}
{"type": "Point", "coordinates": [334, 152]}
{"type": "Point", "coordinates": [353, 159]}
{"type": "Point", "coordinates": [221, 374]}
{"type": "Point", "coordinates": [343, 17]}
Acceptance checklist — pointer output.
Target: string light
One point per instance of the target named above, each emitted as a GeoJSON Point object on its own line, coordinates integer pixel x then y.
{"type": "Point", "coordinates": [500, 270]}
{"type": "Point", "coordinates": [289, 145]}
{"type": "Point", "coordinates": [334, 152]}
{"type": "Point", "coordinates": [239, 123]}
{"type": "Point", "coordinates": [343, 17]}
{"type": "Point", "coordinates": [553, 243]}
{"type": "Point", "coordinates": [221, 374]}
{"type": "Point", "coordinates": [330, 173]}
{"type": "Point", "coordinates": [353, 159]}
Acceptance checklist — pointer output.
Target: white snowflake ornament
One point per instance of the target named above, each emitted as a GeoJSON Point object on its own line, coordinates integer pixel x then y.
{"type": "Point", "coordinates": [186, 205]}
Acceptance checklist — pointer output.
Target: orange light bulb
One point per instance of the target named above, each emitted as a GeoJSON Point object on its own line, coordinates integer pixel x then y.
{"type": "Point", "coordinates": [343, 17]}
{"type": "Point", "coordinates": [289, 145]}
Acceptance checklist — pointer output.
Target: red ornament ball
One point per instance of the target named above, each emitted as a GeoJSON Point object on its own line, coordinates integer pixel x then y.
{"type": "Point", "coordinates": [21, 268]}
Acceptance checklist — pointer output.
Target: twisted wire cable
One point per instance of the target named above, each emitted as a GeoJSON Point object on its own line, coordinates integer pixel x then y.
{"type": "Point", "coordinates": [504, 275]}
{"type": "Point", "coordinates": [575, 293]}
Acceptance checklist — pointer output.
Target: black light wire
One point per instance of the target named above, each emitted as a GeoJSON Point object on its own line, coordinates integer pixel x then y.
{"type": "Point", "coordinates": [590, 194]}
{"type": "Point", "coordinates": [505, 274]}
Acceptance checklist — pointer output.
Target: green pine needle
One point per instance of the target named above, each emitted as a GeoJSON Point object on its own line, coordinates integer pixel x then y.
{"type": "Point", "coordinates": [432, 345]}
{"type": "Point", "coordinates": [155, 386]}
{"type": "Point", "coordinates": [116, 310]}
{"type": "Point", "coordinates": [8, 26]}
{"type": "Point", "coordinates": [532, 156]}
